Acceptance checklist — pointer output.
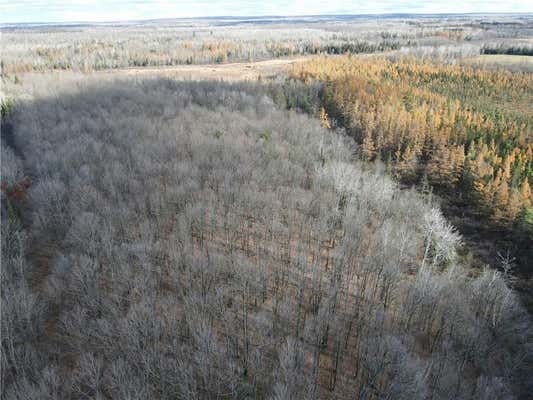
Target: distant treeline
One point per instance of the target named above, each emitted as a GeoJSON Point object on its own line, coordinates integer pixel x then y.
{"type": "Point", "coordinates": [509, 50]}
{"type": "Point", "coordinates": [89, 48]}
{"type": "Point", "coordinates": [99, 55]}
{"type": "Point", "coordinates": [357, 47]}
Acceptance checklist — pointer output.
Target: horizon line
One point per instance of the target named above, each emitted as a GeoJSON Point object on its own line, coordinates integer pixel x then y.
{"type": "Point", "coordinates": [403, 14]}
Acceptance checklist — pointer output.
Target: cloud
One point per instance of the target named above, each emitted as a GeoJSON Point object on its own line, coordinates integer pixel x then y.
{"type": "Point", "coordinates": [120, 10]}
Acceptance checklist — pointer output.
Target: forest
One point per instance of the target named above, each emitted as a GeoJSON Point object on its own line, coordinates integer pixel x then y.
{"type": "Point", "coordinates": [298, 236]}
{"type": "Point", "coordinates": [464, 131]}
{"type": "Point", "coordinates": [86, 48]}
{"type": "Point", "coordinates": [199, 240]}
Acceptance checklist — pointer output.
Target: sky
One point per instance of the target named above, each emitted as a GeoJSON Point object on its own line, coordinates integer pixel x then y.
{"type": "Point", "coordinates": [18, 11]}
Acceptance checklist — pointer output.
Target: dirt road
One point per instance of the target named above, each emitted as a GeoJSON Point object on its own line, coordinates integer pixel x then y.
{"type": "Point", "coordinates": [238, 71]}
{"type": "Point", "coordinates": [230, 72]}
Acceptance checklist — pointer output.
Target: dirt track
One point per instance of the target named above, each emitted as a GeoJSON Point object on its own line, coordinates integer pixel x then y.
{"type": "Point", "coordinates": [238, 71]}
{"type": "Point", "coordinates": [230, 71]}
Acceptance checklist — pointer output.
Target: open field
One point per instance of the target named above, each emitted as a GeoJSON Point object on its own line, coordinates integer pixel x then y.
{"type": "Point", "coordinates": [243, 71]}
{"type": "Point", "coordinates": [237, 71]}
{"type": "Point", "coordinates": [501, 61]}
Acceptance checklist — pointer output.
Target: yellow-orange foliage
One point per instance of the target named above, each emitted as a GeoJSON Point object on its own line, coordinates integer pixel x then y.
{"type": "Point", "coordinates": [425, 116]}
